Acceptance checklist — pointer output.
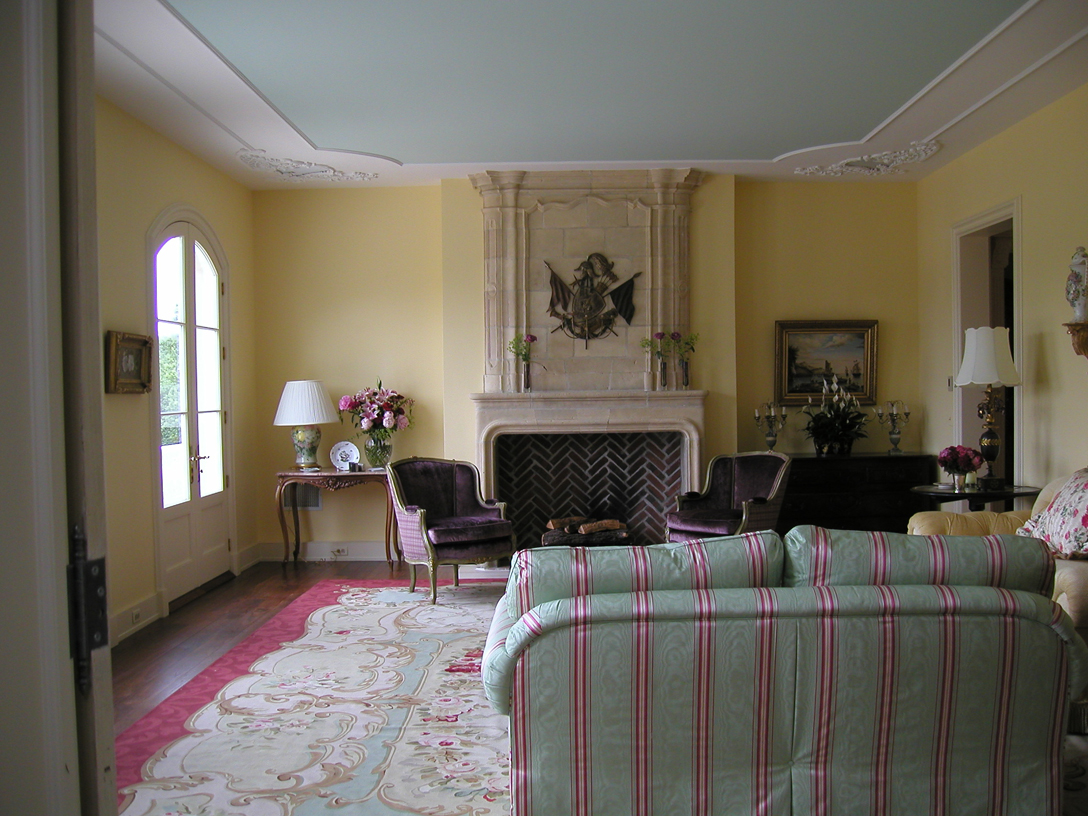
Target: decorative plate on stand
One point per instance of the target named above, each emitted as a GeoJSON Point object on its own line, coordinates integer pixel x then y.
{"type": "Point", "coordinates": [344, 455]}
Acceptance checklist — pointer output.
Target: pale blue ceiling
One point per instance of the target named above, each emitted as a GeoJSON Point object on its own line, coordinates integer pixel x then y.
{"type": "Point", "coordinates": [451, 81]}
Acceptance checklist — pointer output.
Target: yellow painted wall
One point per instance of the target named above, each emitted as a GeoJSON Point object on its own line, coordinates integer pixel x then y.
{"type": "Point", "coordinates": [350, 292]}
{"type": "Point", "coordinates": [462, 313]}
{"type": "Point", "coordinates": [714, 366]}
{"type": "Point", "coordinates": [824, 250]}
{"type": "Point", "coordinates": [1043, 160]}
{"type": "Point", "coordinates": [140, 174]}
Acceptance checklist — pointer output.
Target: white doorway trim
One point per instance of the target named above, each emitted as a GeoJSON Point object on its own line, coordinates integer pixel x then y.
{"type": "Point", "coordinates": [173, 214]}
{"type": "Point", "coordinates": [967, 237]}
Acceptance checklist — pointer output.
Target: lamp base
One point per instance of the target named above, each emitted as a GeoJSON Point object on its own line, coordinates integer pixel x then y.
{"type": "Point", "coordinates": [306, 438]}
{"type": "Point", "coordinates": [989, 483]}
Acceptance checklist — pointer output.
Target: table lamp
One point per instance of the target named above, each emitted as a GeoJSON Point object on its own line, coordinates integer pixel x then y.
{"type": "Point", "coordinates": [305, 404]}
{"type": "Point", "coordinates": [987, 361]}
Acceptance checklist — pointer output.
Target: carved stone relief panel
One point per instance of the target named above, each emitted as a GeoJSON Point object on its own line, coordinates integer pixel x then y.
{"type": "Point", "coordinates": [539, 222]}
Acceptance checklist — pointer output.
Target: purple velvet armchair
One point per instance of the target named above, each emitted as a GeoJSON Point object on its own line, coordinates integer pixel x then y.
{"type": "Point", "coordinates": [743, 494]}
{"type": "Point", "coordinates": [443, 519]}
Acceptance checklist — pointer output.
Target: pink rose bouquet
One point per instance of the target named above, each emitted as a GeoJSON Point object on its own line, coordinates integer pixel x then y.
{"type": "Point", "coordinates": [378, 412]}
{"type": "Point", "coordinates": [960, 459]}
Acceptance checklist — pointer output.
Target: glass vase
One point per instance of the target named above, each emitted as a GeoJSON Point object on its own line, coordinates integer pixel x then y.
{"type": "Point", "coordinates": [662, 375]}
{"type": "Point", "coordinates": [378, 451]}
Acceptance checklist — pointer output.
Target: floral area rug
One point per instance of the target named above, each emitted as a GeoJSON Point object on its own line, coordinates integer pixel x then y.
{"type": "Point", "coordinates": [356, 699]}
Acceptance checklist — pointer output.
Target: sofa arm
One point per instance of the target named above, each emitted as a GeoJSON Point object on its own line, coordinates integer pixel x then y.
{"type": "Point", "coordinates": [979, 523]}
{"type": "Point", "coordinates": [497, 666]}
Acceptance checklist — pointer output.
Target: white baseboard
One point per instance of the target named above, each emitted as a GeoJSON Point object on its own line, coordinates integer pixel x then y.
{"type": "Point", "coordinates": [134, 618]}
{"type": "Point", "coordinates": [327, 551]}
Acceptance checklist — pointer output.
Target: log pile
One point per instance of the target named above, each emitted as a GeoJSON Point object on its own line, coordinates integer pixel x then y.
{"type": "Point", "coordinates": [579, 531]}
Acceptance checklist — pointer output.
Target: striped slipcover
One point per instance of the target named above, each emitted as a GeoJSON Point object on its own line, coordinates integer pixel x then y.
{"type": "Point", "coordinates": [870, 686]}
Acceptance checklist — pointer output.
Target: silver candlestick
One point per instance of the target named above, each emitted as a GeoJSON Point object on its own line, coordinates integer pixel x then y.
{"type": "Point", "coordinates": [770, 422]}
{"type": "Point", "coordinates": [895, 414]}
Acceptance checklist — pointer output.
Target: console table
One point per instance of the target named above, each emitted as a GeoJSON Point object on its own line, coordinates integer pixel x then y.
{"type": "Point", "coordinates": [864, 491]}
{"type": "Point", "coordinates": [330, 480]}
{"type": "Point", "coordinates": [976, 499]}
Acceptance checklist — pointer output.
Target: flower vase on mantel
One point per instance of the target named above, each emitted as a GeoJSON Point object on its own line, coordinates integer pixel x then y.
{"type": "Point", "coordinates": [684, 381]}
{"type": "Point", "coordinates": [663, 375]}
{"type": "Point", "coordinates": [378, 451]}
{"type": "Point", "coordinates": [526, 378]}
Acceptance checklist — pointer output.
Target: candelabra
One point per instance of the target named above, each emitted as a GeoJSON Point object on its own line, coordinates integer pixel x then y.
{"type": "Point", "coordinates": [895, 415]}
{"type": "Point", "coordinates": [771, 422]}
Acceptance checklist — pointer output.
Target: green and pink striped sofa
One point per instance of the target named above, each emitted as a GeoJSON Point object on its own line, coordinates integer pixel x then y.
{"type": "Point", "coordinates": [832, 673]}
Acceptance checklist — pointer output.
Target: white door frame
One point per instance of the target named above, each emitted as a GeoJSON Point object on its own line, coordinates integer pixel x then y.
{"type": "Point", "coordinates": [171, 215]}
{"type": "Point", "coordinates": [970, 241]}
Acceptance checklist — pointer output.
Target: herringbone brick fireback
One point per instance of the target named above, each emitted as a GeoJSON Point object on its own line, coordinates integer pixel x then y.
{"type": "Point", "coordinates": [632, 477]}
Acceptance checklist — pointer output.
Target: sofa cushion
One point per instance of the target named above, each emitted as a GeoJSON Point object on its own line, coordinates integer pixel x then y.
{"type": "Point", "coordinates": [547, 574]}
{"type": "Point", "coordinates": [1063, 525]}
{"type": "Point", "coordinates": [712, 521]}
{"type": "Point", "coordinates": [816, 556]}
{"type": "Point", "coordinates": [466, 529]}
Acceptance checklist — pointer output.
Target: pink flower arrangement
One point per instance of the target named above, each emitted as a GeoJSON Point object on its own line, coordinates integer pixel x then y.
{"type": "Point", "coordinates": [378, 412]}
{"type": "Point", "coordinates": [960, 459]}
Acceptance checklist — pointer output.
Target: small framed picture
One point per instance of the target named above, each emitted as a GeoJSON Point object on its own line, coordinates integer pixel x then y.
{"type": "Point", "coordinates": [128, 363]}
{"type": "Point", "coordinates": [808, 353]}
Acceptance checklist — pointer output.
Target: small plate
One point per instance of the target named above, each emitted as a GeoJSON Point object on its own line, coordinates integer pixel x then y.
{"type": "Point", "coordinates": [343, 455]}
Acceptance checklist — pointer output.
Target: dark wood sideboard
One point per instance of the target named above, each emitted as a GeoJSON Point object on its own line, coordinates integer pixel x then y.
{"type": "Point", "coordinates": [865, 491]}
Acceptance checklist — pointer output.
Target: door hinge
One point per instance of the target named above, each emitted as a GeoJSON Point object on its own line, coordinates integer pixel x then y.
{"type": "Point", "coordinates": [229, 547]}
{"type": "Point", "coordinates": [224, 352]}
{"type": "Point", "coordinates": [223, 288]}
{"type": "Point", "coordinates": [88, 621]}
{"type": "Point", "coordinates": [226, 480]}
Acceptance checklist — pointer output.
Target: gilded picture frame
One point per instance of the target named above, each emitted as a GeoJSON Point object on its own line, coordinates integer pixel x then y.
{"type": "Point", "coordinates": [810, 352]}
{"type": "Point", "coordinates": [128, 363]}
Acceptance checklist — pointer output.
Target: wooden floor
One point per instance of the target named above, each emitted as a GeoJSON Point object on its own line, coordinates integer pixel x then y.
{"type": "Point", "coordinates": [153, 663]}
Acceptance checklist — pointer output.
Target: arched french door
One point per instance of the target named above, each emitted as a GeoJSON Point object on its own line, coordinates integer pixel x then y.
{"type": "Point", "coordinates": [194, 513]}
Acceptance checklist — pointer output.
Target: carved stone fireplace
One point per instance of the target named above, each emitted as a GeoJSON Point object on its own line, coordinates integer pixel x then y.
{"type": "Point", "coordinates": [537, 223]}
{"type": "Point", "coordinates": [650, 470]}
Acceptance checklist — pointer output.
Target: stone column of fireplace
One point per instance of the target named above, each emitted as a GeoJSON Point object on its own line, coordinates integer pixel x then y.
{"type": "Point", "coordinates": [638, 219]}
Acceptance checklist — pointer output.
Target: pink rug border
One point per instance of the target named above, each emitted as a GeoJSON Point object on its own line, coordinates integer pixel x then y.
{"type": "Point", "coordinates": [166, 722]}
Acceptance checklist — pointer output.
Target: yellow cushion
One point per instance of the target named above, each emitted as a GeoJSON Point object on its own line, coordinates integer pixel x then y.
{"type": "Point", "coordinates": [980, 523]}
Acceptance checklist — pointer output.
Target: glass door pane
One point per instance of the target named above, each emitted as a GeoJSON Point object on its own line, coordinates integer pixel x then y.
{"type": "Point", "coordinates": [174, 427]}
{"type": "Point", "coordinates": [210, 448]}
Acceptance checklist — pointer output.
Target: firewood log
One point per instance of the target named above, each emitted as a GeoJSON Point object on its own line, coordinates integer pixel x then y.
{"type": "Point", "coordinates": [559, 524]}
{"type": "Point", "coordinates": [601, 526]}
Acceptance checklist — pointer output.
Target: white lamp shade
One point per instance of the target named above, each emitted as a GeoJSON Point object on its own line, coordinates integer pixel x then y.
{"type": "Point", "coordinates": [987, 359]}
{"type": "Point", "coordinates": [305, 402]}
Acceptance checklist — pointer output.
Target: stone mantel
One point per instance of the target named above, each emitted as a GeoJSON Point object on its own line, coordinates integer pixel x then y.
{"type": "Point", "coordinates": [559, 412]}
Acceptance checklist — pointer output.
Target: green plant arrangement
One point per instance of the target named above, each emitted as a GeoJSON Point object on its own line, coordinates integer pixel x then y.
{"type": "Point", "coordinates": [522, 349]}
{"type": "Point", "coordinates": [684, 347]}
{"type": "Point", "coordinates": [837, 422]}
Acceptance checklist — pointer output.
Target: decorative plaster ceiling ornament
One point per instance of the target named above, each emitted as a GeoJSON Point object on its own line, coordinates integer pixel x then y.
{"type": "Point", "coordinates": [876, 164]}
{"type": "Point", "coordinates": [295, 170]}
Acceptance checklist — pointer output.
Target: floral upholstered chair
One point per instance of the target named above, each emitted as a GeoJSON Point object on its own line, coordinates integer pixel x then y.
{"type": "Point", "coordinates": [443, 519]}
{"type": "Point", "coordinates": [743, 494]}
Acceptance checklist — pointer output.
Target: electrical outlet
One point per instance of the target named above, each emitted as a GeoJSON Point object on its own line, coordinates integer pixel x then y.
{"type": "Point", "coordinates": [136, 615]}
{"type": "Point", "coordinates": [340, 551]}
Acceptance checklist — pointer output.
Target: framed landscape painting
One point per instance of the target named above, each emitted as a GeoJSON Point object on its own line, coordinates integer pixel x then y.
{"type": "Point", "coordinates": [809, 353]}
